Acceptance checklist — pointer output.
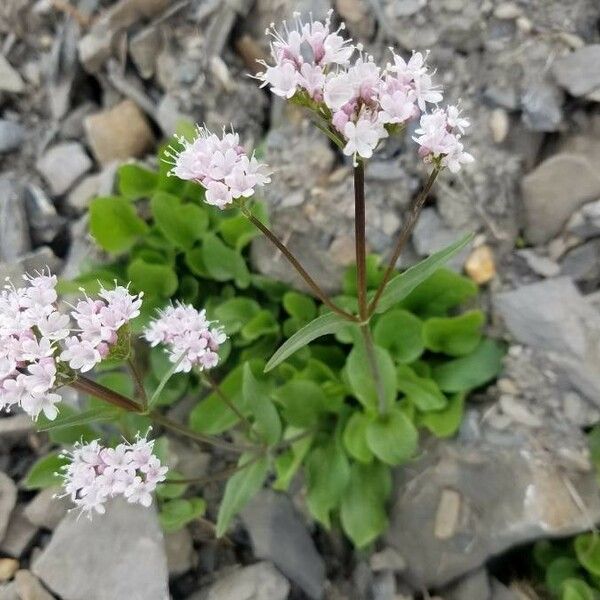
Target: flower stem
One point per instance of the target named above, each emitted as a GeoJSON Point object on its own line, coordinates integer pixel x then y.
{"type": "Point", "coordinates": [88, 386]}
{"type": "Point", "coordinates": [360, 238]}
{"type": "Point", "coordinates": [405, 232]}
{"type": "Point", "coordinates": [361, 279]}
{"type": "Point", "coordinates": [222, 474]}
{"type": "Point", "coordinates": [312, 284]}
{"type": "Point", "coordinates": [199, 437]}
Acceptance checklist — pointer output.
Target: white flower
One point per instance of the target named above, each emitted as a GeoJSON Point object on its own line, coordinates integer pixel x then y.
{"type": "Point", "coordinates": [283, 79]}
{"type": "Point", "coordinates": [54, 326]}
{"type": "Point", "coordinates": [82, 355]}
{"type": "Point", "coordinates": [339, 90]}
{"type": "Point", "coordinates": [96, 473]}
{"type": "Point", "coordinates": [34, 404]}
{"type": "Point", "coordinates": [41, 376]}
{"type": "Point", "coordinates": [363, 137]}
{"type": "Point", "coordinates": [397, 107]}
{"type": "Point", "coordinates": [191, 340]}
{"type": "Point", "coordinates": [220, 165]}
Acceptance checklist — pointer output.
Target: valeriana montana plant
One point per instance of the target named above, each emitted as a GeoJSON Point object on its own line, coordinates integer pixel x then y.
{"type": "Point", "coordinates": [389, 359]}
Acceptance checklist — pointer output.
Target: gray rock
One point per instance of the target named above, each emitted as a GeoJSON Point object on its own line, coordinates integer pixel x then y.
{"type": "Point", "coordinates": [542, 265]}
{"type": "Point", "coordinates": [501, 592]}
{"type": "Point", "coordinates": [116, 555]}
{"type": "Point", "coordinates": [542, 106]}
{"type": "Point", "coordinates": [46, 509]}
{"type": "Point", "coordinates": [431, 234]}
{"type": "Point", "coordinates": [585, 223]}
{"type": "Point", "coordinates": [180, 552]}
{"type": "Point", "coordinates": [144, 49]}
{"type": "Point", "coordinates": [553, 191]}
{"type": "Point", "coordinates": [553, 316]}
{"type": "Point", "coordinates": [29, 587]}
{"type": "Point", "coordinates": [474, 586]}
{"type": "Point", "coordinates": [582, 263]}
{"type": "Point", "coordinates": [19, 535]}
{"type": "Point", "coordinates": [11, 135]}
{"type": "Point", "coordinates": [579, 72]}
{"type": "Point", "coordinates": [8, 499]}
{"type": "Point", "coordinates": [279, 534]}
{"type": "Point", "coordinates": [43, 218]}
{"type": "Point", "coordinates": [9, 592]}
{"type": "Point", "coordinates": [261, 581]}
{"type": "Point", "coordinates": [62, 165]}
{"type": "Point", "coordinates": [16, 427]}
{"type": "Point", "coordinates": [10, 80]}
{"type": "Point", "coordinates": [467, 500]}
{"type": "Point", "coordinates": [39, 259]}
{"type": "Point", "coordinates": [79, 197]}
{"type": "Point", "coordinates": [14, 230]}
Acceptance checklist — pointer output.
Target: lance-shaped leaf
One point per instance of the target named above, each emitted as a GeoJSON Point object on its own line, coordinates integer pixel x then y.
{"type": "Point", "coordinates": [402, 285]}
{"type": "Point", "coordinates": [325, 324]}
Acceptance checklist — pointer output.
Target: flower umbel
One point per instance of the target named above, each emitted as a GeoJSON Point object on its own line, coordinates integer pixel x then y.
{"type": "Point", "coordinates": [191, 340]}
{"type": "Point", "coordinates": [96, 473]}
{"type": "Point", "coordinates": [219, 164]}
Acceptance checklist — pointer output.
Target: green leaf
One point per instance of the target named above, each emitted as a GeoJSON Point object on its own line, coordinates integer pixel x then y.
{"type": "Point", "coordinates": [176, 514]}
{"type": "Point", "coordinates": [300, 306]}
{"type": "Point", "coordinates": [392, 437]}
{"type": "Point", "coordinates": [455, 336]}
{"type": "Point", "coordinates": [545, 551]}
{"type": "Point", "coordinates": [361, 379]}
{"type": "Point", "coordinates": [445, 423]}
{"type": "Point", "coordinates": [234, 313]}
{"type": "Point", "coordinates": [212, 415]}
{"type": "Point", "coordinates": [288, 462]}
{"type": "Point", "coordinates": [238, 231]}
{"type": "Point", "coordinates": [577, 589]}
{"type": "Point", "coordinates": [363, 511]}
{"type": "Point", "coordinates": [401, 333]}
{"type": "Point", "coordinates": [327, 475]}
{"type": "Point", "coordinates": [181, 223]}
{"type": "Point", "coordinates": [303, 402]}
{"type": "Point", "coordinates": [373, 276]}
{"type": "Point", "coordinates": [136, 182]}
{"type": "Point", "coordinates": [240, 488]}
{"type": "Point", "coordinates": [559, 571]}
{"type": "Point", "coordinates": [151, 278]}
{"type": "Point", "coordinates": [114, 223]}
{"type": "Point", "coordinates": [443, 290]}
{"type": "Point", "coordinates": [262, 323]}
{"type": "Point", "coordinates": [324, 325]}
{"type": "Point", "coordinates": [43, 472]}
{"type": "Point", "coordinates": [93, 415]}
{"type": "Point", "coordinates": [355, 437]}
{"type": "Point", "coordinates": [402, 285]}
{"type": "Point", "coordinates": [155, 397]}
{"type": "Point", "coordinates": [266, 417]}
{"type": "Point", "coordinates": [67, 435]}
{"type": "Point", "coordinates": [471, 371]}
{"type": "Point", "coordinates": [420, 391]}
{"type": "Point", "coordinates": [587, 549]}
{"type": "Point", "coordinates": [194, 259]}
{"type": "Point", "coordinates": [223, 263]}
{"type": "Point", "coordinates": [169, 491]}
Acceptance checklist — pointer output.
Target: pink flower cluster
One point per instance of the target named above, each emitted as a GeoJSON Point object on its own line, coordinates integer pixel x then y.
{"type": "Point", "coordinates": [99, 321]}
{"type": "Point", "coordinates": [191, 339]}
{"type": "Point", "coordinates": [30, 328]}
{"type": "Point", "coordinates": [220, 165]}
{"type": "Point", "coordinates": [362, 102]}
{"type": "Point", "coordinates": [32, 331]}
{"type": "Point", "coordinates": [439, 138]}
{"type": "Point", "coordinates": [95, 474]}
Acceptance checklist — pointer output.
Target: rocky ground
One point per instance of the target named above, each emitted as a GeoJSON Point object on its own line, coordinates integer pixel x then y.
{"type": "Point", "coordinates": [91, 83]}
